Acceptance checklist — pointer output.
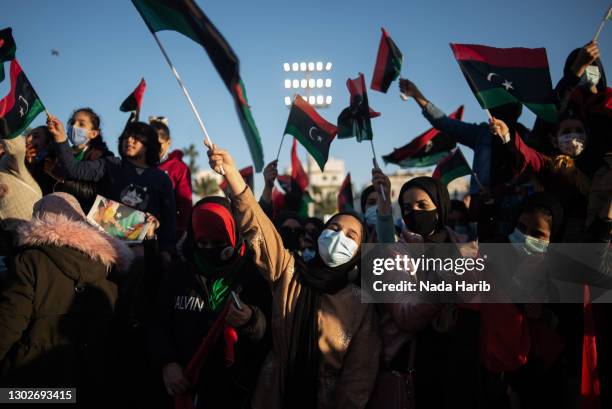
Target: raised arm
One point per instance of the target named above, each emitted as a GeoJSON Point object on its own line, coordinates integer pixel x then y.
{"type": "Point", "coordinates": [88, 171]}
{"type": "Point", "coordinates": [525, 156]}
{"type": "Point", "coordinates": [270, 255]}
{"type": "Point", "coordinates": [465, 133]}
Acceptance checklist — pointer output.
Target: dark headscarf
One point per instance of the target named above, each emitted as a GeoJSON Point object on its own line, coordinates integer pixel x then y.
{"type": "Point", "coordinates": [550, 203]}
{"type": "Point", "coordinates": [601, 85]}
{"type": "Point", "coordinates": [316, 278]}
{"type": "Point", "coordinates": [438, 193]}
{"type": "Point", "coordinates": [364, 196]}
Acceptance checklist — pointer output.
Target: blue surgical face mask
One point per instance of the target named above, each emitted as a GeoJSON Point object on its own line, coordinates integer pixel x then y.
{"type": "Point", "coordinates": [308, 254]}
{"type": "Point", "coordinates": [335, 248]}
{"type": "Point", "coordinates": [371, 215]}
{"type": "Point", "coordinates": [77, 136]}
{"type": "Point", "coordinates": [530, 245]}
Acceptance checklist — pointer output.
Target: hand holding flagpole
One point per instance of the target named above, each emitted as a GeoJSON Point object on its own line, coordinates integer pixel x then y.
{"type": "Point", "coordinates": [182, 85]}
{"type": "Point", "coordinates": [382, 191]}
{"type": "Point", "coordinates": [607, 16]}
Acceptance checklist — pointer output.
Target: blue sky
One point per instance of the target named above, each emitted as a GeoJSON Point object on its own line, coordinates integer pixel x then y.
{"type": "Point", "coordinates": [105, 48]}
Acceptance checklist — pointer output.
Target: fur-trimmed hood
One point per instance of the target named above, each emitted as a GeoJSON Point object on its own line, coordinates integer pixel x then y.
{"type": "Point", "coordinates": [61, 231]}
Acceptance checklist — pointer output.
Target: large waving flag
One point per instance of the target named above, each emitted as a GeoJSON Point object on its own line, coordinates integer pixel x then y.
{"type": "Point", "coordinates": [7, 48]}
{"type": "Point", "coordinates": [354, 121]}
{"type": "Point", "coordinates": [498, 76]}
{"type": "Point", "coordinates": [185, 17]}
{"type": "Point", "coordinates": [19, 108]}
{"type": "Point", "coordinates": [313, 132]}
{"type": "Point", "coordinates": [426, 149]}
{"type": "Point", "coordinates": [388, 63]}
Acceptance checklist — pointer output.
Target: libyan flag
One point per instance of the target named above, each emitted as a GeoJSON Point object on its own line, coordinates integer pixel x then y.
{"type": "Point", "coordinates": [355, 120]}
{"type": "Point", "coordinates": [426, 149]}
{"type": "Point", "coordinates": [134, 101]}
{"type": "Point", "coordinates": [452, 167]}
{"type": "Point", "coordinates": [388, 64]}
{"type": "Point", "coordinates": [19, 108]}
{"type": "Point", "coordinates": [498, 76]}
{"type": "Point", "coordinates": [7, 48]}
{"type": "Point", "coordinates": [313, 132]}
{"type": "Point", "coordinates": [297, 170]}
{"type": "Point", "coordinates": [345, 195]}
{"type": "Point", "coordinates": [185, 17]}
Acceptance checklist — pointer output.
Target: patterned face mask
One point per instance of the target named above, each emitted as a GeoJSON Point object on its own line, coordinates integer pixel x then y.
{"type": "Point", "coordinates": [572, 143]}
{"type": "Point", "coordinates": [530, 245]}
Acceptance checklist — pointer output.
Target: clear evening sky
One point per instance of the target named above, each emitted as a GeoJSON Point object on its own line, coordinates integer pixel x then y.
{"type": "Point", "coordinates": [105, 47]}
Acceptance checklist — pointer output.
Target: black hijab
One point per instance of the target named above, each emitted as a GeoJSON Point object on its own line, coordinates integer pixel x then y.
{"type": "Point", "coordinates": [316, 278]}
{"type": "Point", "coordinates": [438, 193]}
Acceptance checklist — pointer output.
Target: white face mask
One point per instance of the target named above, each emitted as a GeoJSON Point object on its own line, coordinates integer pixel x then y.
{"type": "Point", "coordinates": [591, 76]}
{"type": "Point", "coordinates": [371, 214]}
{"type": "Point", "coordinates": [530, 245]}
{"type": "Point", "coordinates": [77, 136]}
{"type": "Point", "coordinates": [572, 143]}
{"type": "Point", "coordinates": [308, 254]}
{"type": "Point", "coordinates": [335, 248]}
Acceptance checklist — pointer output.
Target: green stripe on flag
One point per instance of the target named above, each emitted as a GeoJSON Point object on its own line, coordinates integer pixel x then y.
{"type": "Point", "coordinates": [495, 97]}
{"type": "Point", "coordinates": [36, 108]}
{"type": "Point", "coordinates": [160, 17]}
{"type": "Point", "coordinates": [454, 174]}
{"type": "Point", "coordinates": [310, 147]}
{"type": "Point", "coordinates": [423, 161]}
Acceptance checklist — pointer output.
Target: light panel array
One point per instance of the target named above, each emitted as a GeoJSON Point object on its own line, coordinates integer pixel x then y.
{"type": "Point", "coordinates": [307, 84]}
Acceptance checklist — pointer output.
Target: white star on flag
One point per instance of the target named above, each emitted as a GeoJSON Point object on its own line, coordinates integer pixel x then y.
{"type": "Point", "coordinates": [508, 85]}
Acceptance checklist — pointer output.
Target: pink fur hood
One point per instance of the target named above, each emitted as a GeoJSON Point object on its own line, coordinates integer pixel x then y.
{"type": "Point", "coordinates": [59, 230]}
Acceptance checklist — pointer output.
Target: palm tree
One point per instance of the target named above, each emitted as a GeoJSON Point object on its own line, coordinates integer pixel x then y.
{"type": "Point", "coordinates": [192, 153]}
{"type": "Point", "coordinates": [205, 186]}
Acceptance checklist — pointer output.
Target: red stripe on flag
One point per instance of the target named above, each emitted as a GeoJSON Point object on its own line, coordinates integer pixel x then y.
{"type": "Point", "coordinates": [357, 87]}
{"type": "Point", "coordinates": [297, 171]}
{"type": "Point", "coordinates": [422, 140]}
{"type": "Point", "coordinates": [300, 103]}
{"type": "Point", "coordinates": [518, 57]}
{"type": "Point", "coordinates": [381, 61]}
{"type": "Point", "coordinates": [139, 92]}
{"type": "Point", "coordinates": [8, 102]}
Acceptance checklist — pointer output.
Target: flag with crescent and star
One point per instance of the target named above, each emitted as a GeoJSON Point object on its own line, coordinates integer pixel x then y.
{"type": "Point", "coordinates": [498, 76]}
{"type": "Point", "coordinates": [354, 121]}
{"type": "Point", "coordinates": [7, 48]}
{"type": "Point", "coordinates": [20, 106]}
{"type": "Point", "coordinates": [311, 130]}
{"type": "Point", "coordinates": [186, 17]}
{"type": "Point", "coordinates": [426, 149]}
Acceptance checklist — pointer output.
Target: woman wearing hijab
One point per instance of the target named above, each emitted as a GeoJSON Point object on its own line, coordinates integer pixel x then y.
{"type": "Point", "coordinates": [197, 303]}
{"type": "Point", "coordinates": [325, 341]}
{"type": "Point", "coordinates": [437, 341]}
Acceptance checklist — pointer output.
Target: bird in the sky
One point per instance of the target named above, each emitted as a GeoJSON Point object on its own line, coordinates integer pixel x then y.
{"type": "Point", "coordinates": [55, 52]}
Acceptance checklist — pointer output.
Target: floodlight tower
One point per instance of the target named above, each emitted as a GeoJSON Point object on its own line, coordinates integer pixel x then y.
{"type": "Point", "coordinates": [312, 79]}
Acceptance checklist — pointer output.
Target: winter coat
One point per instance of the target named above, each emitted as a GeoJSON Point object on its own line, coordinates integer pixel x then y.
{"type": "Point", "coordinates": [180, 176]}
{"type": "Point", "coordinates": [18, 189]}
{"type": "Point", "coordinates": [57, 305]}
{"type": "Point", "coordinates": [349, 341]}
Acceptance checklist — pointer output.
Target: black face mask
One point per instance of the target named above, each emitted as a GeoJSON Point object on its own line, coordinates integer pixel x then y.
{"type": "Point", "coordinates": [291, 237]}
{"type": "Point", "coordinates": [422, 222]}
{"type": "Point", "coordinates": [213, 255]}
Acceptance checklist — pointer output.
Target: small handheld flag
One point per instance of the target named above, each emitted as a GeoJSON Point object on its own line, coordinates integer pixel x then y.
{"type": "Point", "coordinates": [388, 63]}
{"type": "Point", "coordinates": [311, 130]}
{"type": "Point", "coordinates": [426, 149]}
{"type": "Point", "coordinates": [607, 17]}
{"type": "Point", "coordinates": [452, 167]}
{"type": "Point", "coordinates": [7, 49]}
{"type": "Point", "coordinates": [345, 195]}
{"type": "Point", "coordinates": [133, 102]}
{"type": "Point", "coordinates": [354, 121]}
{"type": "Point", "coordinates": [20, 106]}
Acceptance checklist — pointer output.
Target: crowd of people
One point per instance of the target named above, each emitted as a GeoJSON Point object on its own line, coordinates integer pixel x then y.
{"type": "Point", "coordinates": [233, 302]}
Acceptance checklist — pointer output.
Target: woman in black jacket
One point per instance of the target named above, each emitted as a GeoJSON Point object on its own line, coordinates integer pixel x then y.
{"type": "Point", "coordinates": [215, 262]}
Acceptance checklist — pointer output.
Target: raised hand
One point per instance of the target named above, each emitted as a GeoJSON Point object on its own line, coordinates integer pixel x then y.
{"type": "Point", "coordinates": [499, 129]}
{"type": "Point", "coordinates": [270, 173]}
{"type": "Point", "coordinates": [380, 180]}
{"type": "Point", "coordinates": [56, 127]}
{"type": "Point", "coordinates": [409, 89]}
{"type": "Point", "coordinates": [586, 56]}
